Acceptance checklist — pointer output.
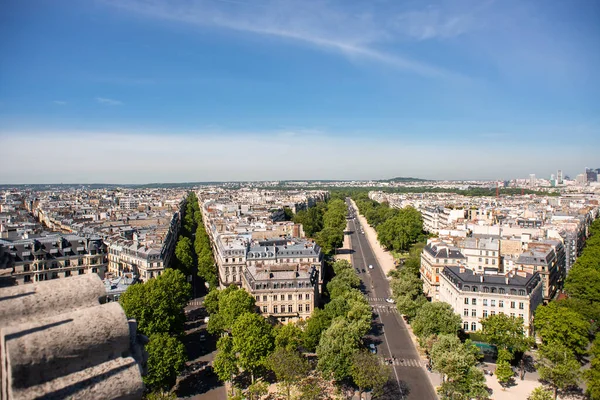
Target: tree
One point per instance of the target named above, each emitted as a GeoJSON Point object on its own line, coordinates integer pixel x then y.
{"type": "Point", "coordinates": [288, 337]}
{"type": "Point", "coordinates": [451, 357]}
{"type": "Point", "coordinates": [313, 387]}
{"type": "Point", "coordinates": [335, 350]}
{"type": "Point", "coordinates": [160, 395]}
{"type": "Point", "coordinates": [318, 322]}
{"type": "Point", "coordinates": [435, 318]}
{"type": "Point", "coordinates": [471, 385]}
{"type": "Point", "coordinates": [367, 372]}
{"type": "Point", "coordinates": [505, 332]}
{"type": "Point", "coordinates": [504, 373]}
{"type": "Point", "coordinates": [329, 239]}
{"type": "Point", "coordinates": [166, 358]}
{"type": "Point", "coordinates": [562, 326]}
{"type": "Point", "coordinates": [184, 255]}
{"type": "Point", "coordinates": [211, 302]}
{"type": "Point", "coordinates": [225, 362]}
{"type": "Point", "coordinates": [258, 389]}
{"type": "Point", "coordinates": [592, 375]}
{"type": "Point", "coordinates": [252, 341]}
{"type": "Point", "coordinates": [289, 367]}
{"type": "Point", "coordinates": [157, 305]}
{"type": "Point", "coordinates": [233, 302]}
{"type": "Point", "coordinates": [540, 393]}
{"type": "Point", "coordinates": [408, 306]}
{"type": "Point", "coordinates": [558, 366]}
{"type": "Point", "coordinates": [584, 282]}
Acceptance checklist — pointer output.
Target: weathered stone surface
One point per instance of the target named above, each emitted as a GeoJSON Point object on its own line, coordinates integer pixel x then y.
{"type": "Point", "coordinates": [58, 341]}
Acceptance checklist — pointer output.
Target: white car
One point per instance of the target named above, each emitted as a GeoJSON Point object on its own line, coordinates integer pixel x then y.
{"type": "Point", "coordinates": [390, 300]}
{"type": "Point", "coordinates": [206, 320]}
{"type": "Point", "coordinates": [370, 266]}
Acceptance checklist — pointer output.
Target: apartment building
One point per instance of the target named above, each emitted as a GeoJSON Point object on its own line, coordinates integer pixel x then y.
{"type": "Point", "coordinates": [548, 259]}
{"type": "Point", "coordinates": [55, 256]}
{"type": "Point", "coordinates": [482, 253]}
{"type": "Point", "coordinates": [476, 296]}
{"type": "Point", "coordinates": [436, 255]}
{"type": "Point", "coordinates": [288, 292]}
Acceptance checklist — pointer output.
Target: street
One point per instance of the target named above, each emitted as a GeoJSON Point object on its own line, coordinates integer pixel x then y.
{"type": "Point", "coordinates": [389, 333]}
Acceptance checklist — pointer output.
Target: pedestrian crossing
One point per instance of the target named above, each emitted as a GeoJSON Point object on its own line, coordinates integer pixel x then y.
{"type": "Point", "coordinates": [391, 309]}
{"type": "Point", "coordinates": [403, 362]}
{"type": "Point", "coordinates": [376, 299]}
{"type": "Point", "coordinates": [195, 303]}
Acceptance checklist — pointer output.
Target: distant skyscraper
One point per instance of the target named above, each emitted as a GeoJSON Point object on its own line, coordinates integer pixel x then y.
{"type": "Point", "coordinates": [559, 177]}
{"type": "Point", "coordinates": [591, 175]}
{"type": "Point", "coordinates": [532, 180]}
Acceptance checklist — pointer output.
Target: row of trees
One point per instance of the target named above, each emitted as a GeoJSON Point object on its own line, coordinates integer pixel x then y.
{"type": "Point", "coordinates": [397, 229]}
{"type": "Point", "coordinates": [193, 251]}
{"type": "Point", "coordinates": [566, 326]}
{"type": "Point", "coordinates": [325, 222]}
{"type": "Point", "coordinates": [157, 306]}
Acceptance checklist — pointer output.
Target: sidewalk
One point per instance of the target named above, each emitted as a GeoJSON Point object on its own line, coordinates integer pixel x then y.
{"type": "Point", "coordinates": [384, 258]}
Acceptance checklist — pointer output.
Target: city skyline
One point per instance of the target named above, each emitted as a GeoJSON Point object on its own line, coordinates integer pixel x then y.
{"type": "Point", "coordinates": [217, 90]}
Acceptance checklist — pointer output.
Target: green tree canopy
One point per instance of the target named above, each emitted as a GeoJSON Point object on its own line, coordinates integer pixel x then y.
{"type": "Point", "coordinates": [184, 255]}
{"type": "Point", "coordinates": [504, 373]}
{"type": "Point", "coordinates": [505, 332]}
{"type": "Point", "coordinates": [318, 322]}
{"type": "Point", "coordinates": [560, 325]}
{"type": "Point", "coordinates": [166, 358]}
{"type": "Point", "coordinates": [367, 372]}
{"type": "Point", "coordinates": [233, 302]}
{"type": "Point", "coordinates": [558, 366]}
{"type": "Point", "coordinates": [225, 362]}
{"type": "Point", "coordinates": [252, 340]}
{"type": "Point", "coordinates": [592, 375]}
{"type": "Point", "coordinates": [451, 357]}
{"type": "Point", "coordinates": [435, 318]}
{"type": "Point", "coordinates": [336, 348]}
{"type": "Point", "coordinates": [289, 367]}
{"type": "Point", "coordinates": [288, 337]}
{"type": "Point", "coordinates": [157, 305]}
{"type": "Point", "coordinates": [540, 393]}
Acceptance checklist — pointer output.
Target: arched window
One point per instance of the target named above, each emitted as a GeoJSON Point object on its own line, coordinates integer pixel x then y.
{"type": "Point", "coordinates": [473, 326]}
{"type": "Point", "coordinates": [501, 291]}
{"type": "Point", "coordinates": [467, 288]}
{"type": "Point", "coordinates": [513, 292]}
{"type": "Point", "coordinates": [521, 292]}
{"type": "Point", "coordinates": [493, 290]}
{"type": "Point", "coordinates": [486, 289]}
{"type": "Point", "coordinates": [465, 326]}
{"type": "Point", "coordinates": [474, 288]}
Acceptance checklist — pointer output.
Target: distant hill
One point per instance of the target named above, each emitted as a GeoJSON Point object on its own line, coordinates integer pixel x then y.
{"type": "Point", "coordinates": [404, 179]}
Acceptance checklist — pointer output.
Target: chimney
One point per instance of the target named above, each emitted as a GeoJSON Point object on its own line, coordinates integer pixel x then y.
{"type": "Point", "coordinates": [481, 278]}
{"type": "Point", "coordinates": [462, 269]}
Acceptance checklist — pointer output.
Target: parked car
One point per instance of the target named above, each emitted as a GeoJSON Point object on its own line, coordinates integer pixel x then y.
{"type": "Point", "coordinates": [370, 266]}
{"type": "Point", "coordinates": [202, 338]}
{"type": "Point", "coordinates": [389, 300]}
{"type": "Point", "coordinates": [372, 348]}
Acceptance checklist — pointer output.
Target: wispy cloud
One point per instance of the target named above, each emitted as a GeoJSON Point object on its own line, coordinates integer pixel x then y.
{"type": "Point", "coordinates": [108, 102]}
{"type": "Point", "coordinates": [364, 33]}
{"type": "Point", "coordinates": [59, 102]}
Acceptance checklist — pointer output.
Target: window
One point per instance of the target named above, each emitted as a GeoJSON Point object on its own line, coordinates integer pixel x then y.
{"type": "Point", "coordinates": [512, 304]}
{"type": "Point", "coordinates": [520, 315]}
{"type": "Point", "coordinates": [473, 313]}
{"type": "Point", "coordinates": [494, 261]}
{"type": "Point", "coordinates": [485, 314]}
{"type": "Point", "coordinates": [500, 303]}
{"type": "Point", "coordinates": [275, 297]}
{"type": "Point", "coordinates": [512, 314]}
{"type": "Point", "coordinates": [467, 288]}
{"type": "Point", "coordinates": [27, 278]}
{"type": "Point", "coordinates": [95, 270]}
{"type": "Point", "coordinates": [308, 308]}
{"type": "Point", "coordinates": [493, 290]}
{"type": "Point", "coordinates": [493, 312]}
{"type": "Point", "coordinates": [486, 289]}
{"type": "Point", "coordinates": [501, 291]}
{"type": "Point", "coordinates": [26, 268]}
{"type": "Point", "coordinates": [466, 301]}
{"type": "Point", "coordinates": [299, 307]}
{"type": "Point", "coordinates": [289, 297]}
{"type": "Point", "coordinates": [474, 301]}
{"type": "Point", "coordinates": [493, 303]}
{"type": "Point", "coordinates": [300, 296]}
{"type": "Point", "coordinates": [67, 273]}
{"type": "Point", "coordinates": [307, 298]}
{"type": "Point", "coordinates": [264, 309]}
{"type": "Point", "coordinates": [473, 326]}
{"type": "Point", "coordinates": [474, 288]}
{"type": "Point", "coordinates": [81, 271]}
{"type": "Point", "coordinates": [521, 292]}
{"type": "Point", "coordinates": [466, 312]}
{"type": "Point", "coordinates": [275, 310]}
{"type": "Point", "coordinates": [521, 305]}
{"type": "Point", "coordinates": [290, 308]}
{"type": "Point", "coordinates": [485, 302]}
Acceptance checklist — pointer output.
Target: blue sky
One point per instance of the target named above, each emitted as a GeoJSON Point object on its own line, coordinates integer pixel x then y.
{"type": "Point", "coordinates": [132, 91]}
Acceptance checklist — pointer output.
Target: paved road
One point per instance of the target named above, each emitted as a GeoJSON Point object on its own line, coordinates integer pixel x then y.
{"type": "Point", "coordinates": [390, 333]}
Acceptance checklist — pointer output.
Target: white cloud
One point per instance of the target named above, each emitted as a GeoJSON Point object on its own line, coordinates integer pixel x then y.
{"type": "Point", "coordinates": [357, 34]}
{"type": "Point", "coordinates": [108, 102]}
{"type": "Point", "coordinates": [59, 102]}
